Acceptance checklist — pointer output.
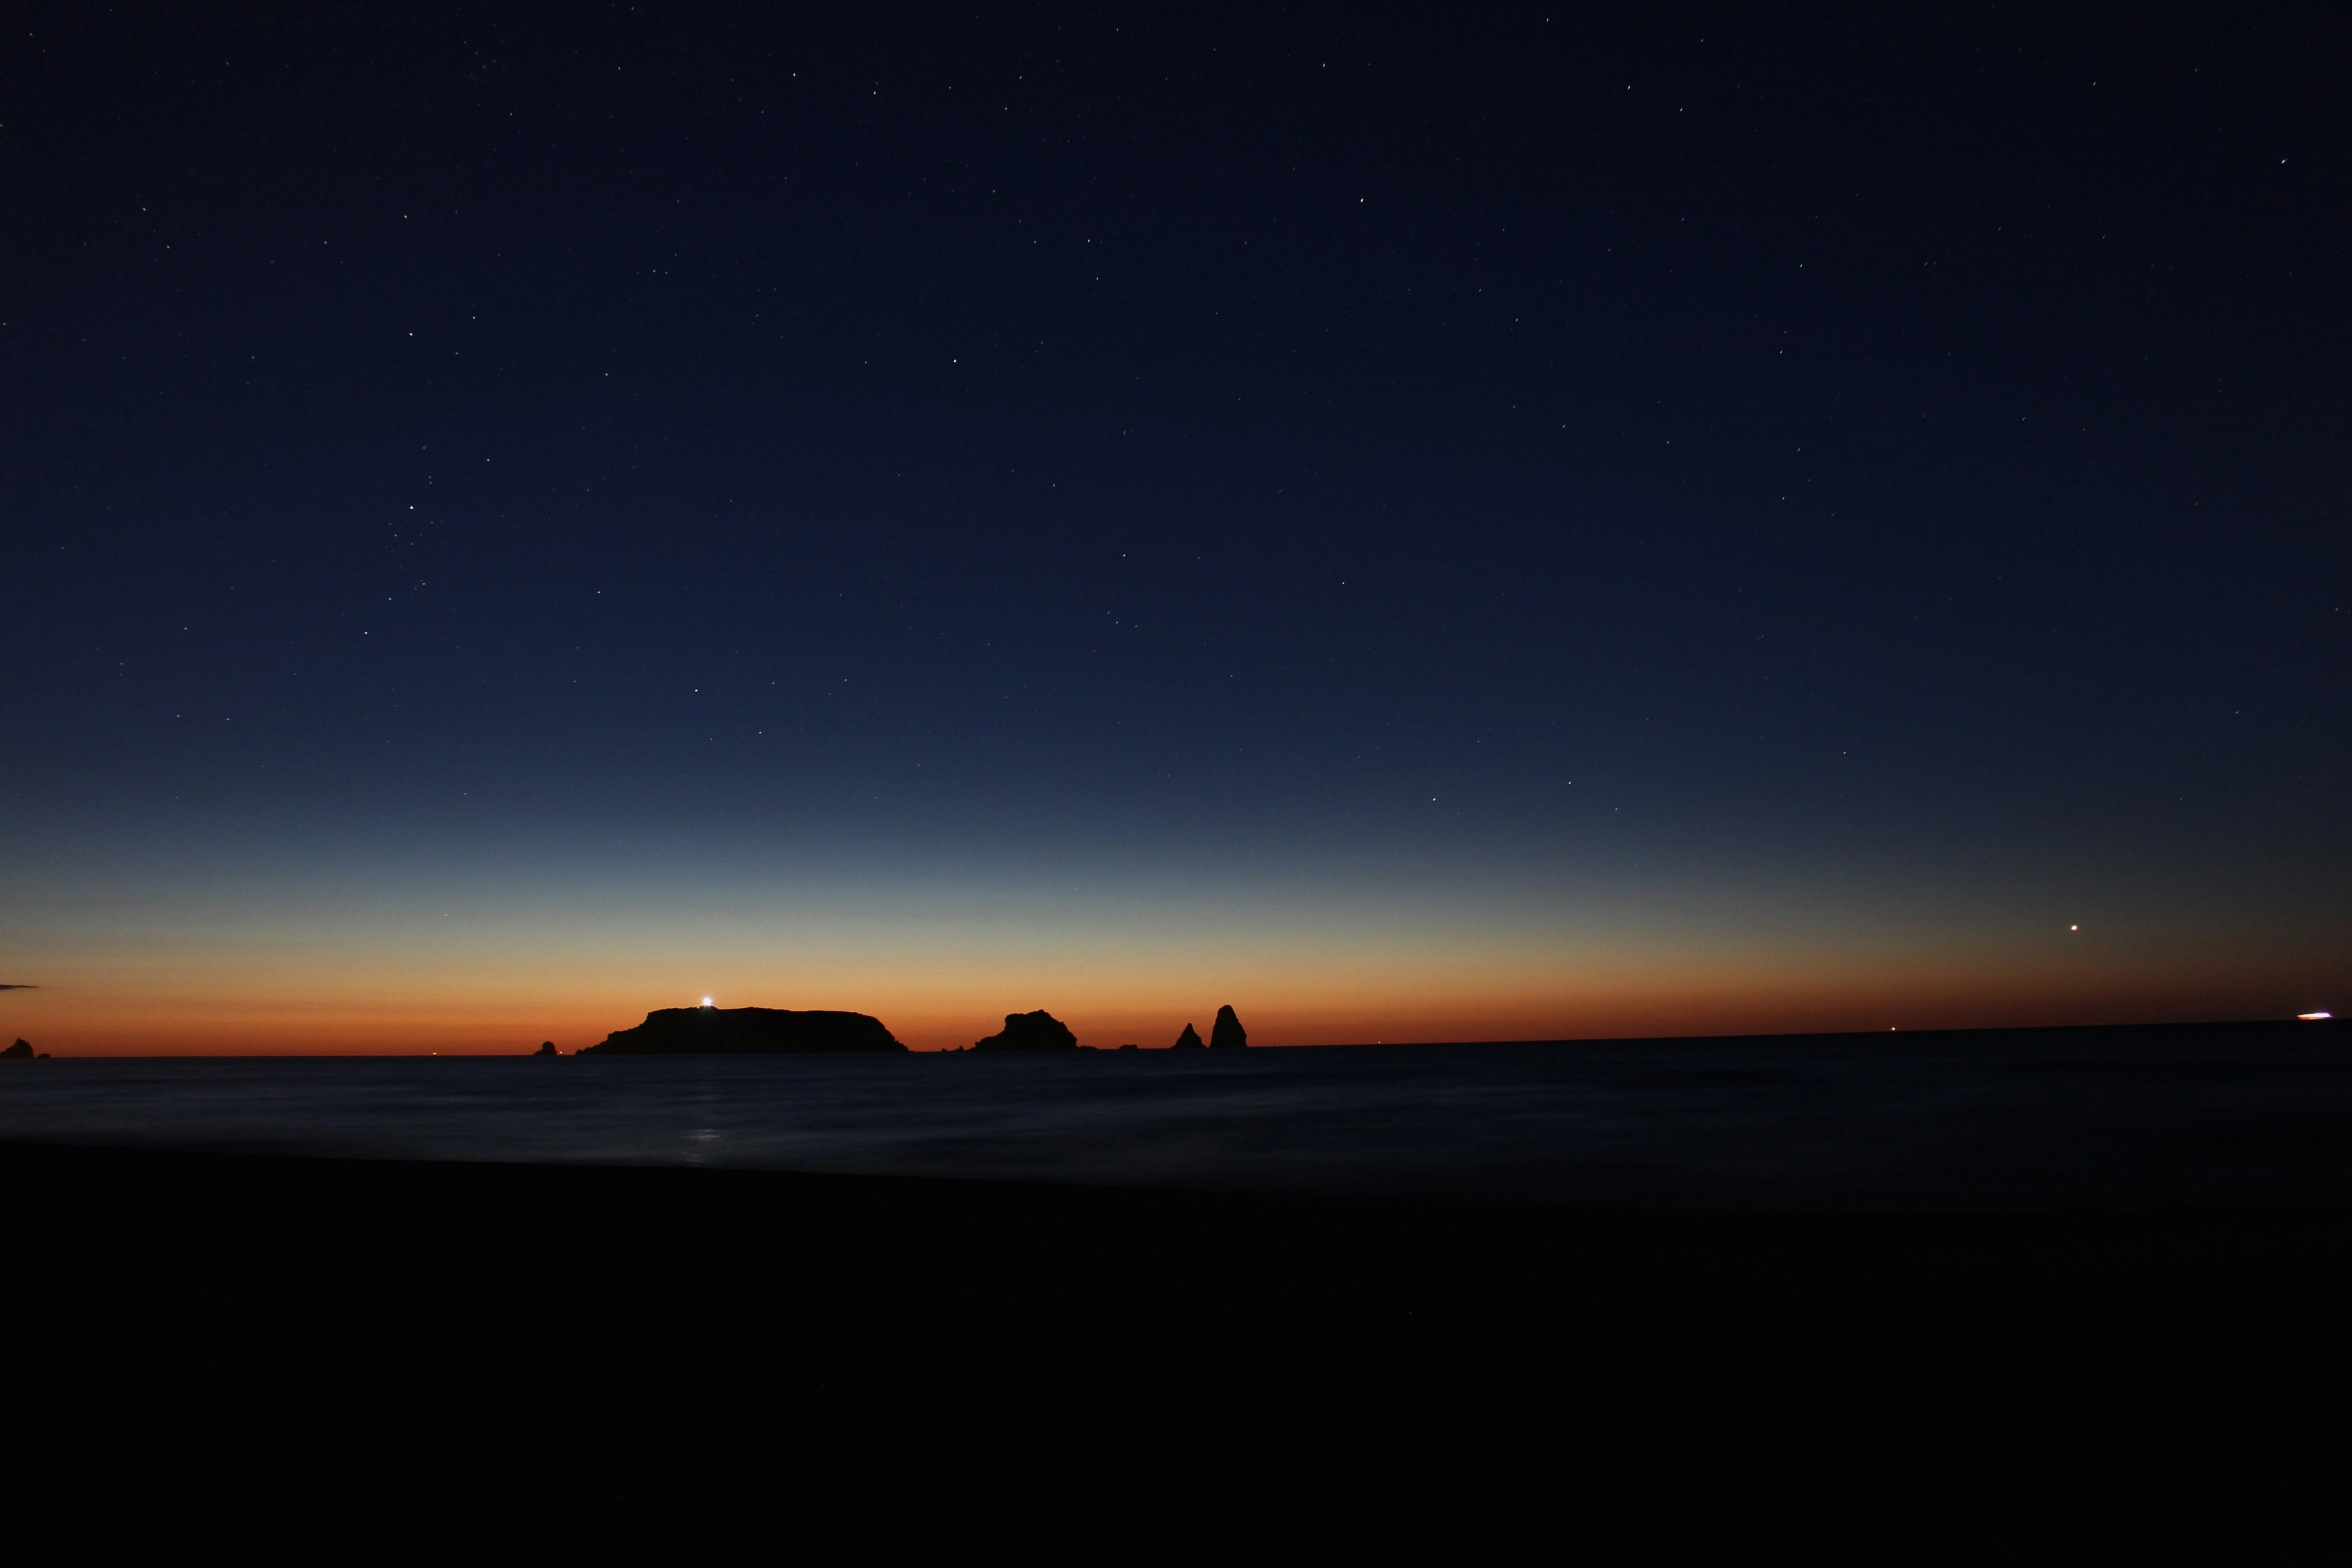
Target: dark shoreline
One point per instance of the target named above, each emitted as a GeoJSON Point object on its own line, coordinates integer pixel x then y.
{"type": "Point", "coordinates": [2004, 1373]}
{"type": "Point", "coordinates": [1172, 1249]}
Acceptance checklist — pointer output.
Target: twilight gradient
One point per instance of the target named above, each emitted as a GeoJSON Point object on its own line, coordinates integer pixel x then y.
{"type": "Point", "coordinates": [1441, 527]}
{"type": "Point", "coordinates": [254, 943]}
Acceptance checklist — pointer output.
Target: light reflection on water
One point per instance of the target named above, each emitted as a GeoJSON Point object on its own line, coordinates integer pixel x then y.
{"type": "Point", "coordinates": [2244, 1114]}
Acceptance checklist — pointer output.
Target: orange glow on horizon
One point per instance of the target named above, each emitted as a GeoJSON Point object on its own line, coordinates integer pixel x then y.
{"type": "Point", "coordinates": [73, 1021]}
{"type": "Point", "coordinates": [264, 972]}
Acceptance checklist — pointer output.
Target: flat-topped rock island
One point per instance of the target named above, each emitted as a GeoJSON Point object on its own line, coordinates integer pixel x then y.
{"type": "Point", "coordinates": [745, 1031]}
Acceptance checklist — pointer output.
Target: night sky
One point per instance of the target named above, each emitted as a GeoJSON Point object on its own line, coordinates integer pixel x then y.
{"type": "Point", "coordinates": [1441, 523]}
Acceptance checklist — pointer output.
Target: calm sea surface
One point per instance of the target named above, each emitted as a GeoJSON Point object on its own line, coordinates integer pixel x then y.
{"type": "Point", "coordinates": [2254, 1115]}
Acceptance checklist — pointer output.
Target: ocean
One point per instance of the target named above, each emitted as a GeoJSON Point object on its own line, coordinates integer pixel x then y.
{"type": "Point", "coordinates": [2242, 1114]}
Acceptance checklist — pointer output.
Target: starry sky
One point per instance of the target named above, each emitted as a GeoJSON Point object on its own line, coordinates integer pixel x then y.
{"type": "Point", "coordinates": [1421, 523]}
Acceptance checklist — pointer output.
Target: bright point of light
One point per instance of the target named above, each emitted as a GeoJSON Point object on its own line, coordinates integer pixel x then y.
{"type": "Point", "coordinates": [2314, 1018]}
{"type": "Point", "coordinates": [2073, 928]}
{"type": "Point", "coordinates": [706, 1001]}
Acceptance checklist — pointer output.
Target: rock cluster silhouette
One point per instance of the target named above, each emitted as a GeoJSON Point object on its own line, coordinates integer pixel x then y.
{"type": "Point", "coordinates": [1226, 1031]}
{"type": "Point", "coordinates": [749, 1031]}
{"type": "Point", "coordinates": [22, 1049]}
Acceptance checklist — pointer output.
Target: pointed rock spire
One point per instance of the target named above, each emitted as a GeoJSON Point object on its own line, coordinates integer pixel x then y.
{"type": "Point", "coordinates": [1190, 1040]}
{"type": "Point", "coordinates": [1228, 1030]}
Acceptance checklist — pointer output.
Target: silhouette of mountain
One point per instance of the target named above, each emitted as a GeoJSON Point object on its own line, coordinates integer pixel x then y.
{"type": "Point", "coordinates": [1227, 1030]}
{"type": "Point", "coordinates": [1038, 1031]}
{"type": "Point", "coordinates": [22, 1048]}
{"type": "Point", "coordinates": [744, 1031]}
{"type": "Point", "coordinates": [1190, 1040]}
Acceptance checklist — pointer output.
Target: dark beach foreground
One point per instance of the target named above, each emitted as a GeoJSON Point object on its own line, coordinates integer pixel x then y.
{"type": "Point", "coordinates": [258, 1338]}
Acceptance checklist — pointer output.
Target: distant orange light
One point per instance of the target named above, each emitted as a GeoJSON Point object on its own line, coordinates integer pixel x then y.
{"type": "Point", "coordinates": [2314, 1018]}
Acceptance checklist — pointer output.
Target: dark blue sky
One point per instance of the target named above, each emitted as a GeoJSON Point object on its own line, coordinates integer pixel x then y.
{"type": "Point", "coordinates": [1497, 450]}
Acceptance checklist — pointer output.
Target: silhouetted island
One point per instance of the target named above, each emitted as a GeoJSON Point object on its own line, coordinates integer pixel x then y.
{"type": "Point", "coordinates": [1228, 1030]}
{"type": "Point", "coordinates": [22, 1049]}
{"type": "Point", "coordinates": [1190, 1040]}
{"type": "Point", "coordinates": [744, 1031]}
{"type": "Point", "coordinates": [1038, 1031]}
{"type": "Point", "coordinates": [546, 1049]}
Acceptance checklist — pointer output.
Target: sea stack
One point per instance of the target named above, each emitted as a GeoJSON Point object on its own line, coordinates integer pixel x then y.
{"type": "Point", "coordinates": [1228, 1030]}
{"type": "Point", "coordinates": [744, 1031]}
{"type": "Point", "coordinates": [1190, 1040]}
{"type": "Point", "coordinates": [1038, 1031]}
{"type": "Point", "coordinates": [23, 1048]}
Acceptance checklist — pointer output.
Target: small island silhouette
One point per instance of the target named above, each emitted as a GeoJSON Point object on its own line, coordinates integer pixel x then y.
{"type": "Point", "coordinates": [1038, 1031]}
{"type": "Point", "coordinates": [745, 1031]}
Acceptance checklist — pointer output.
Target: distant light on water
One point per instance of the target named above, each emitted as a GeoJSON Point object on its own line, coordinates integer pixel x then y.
{"type": "Point", "coordinates": [2314, 1018]}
